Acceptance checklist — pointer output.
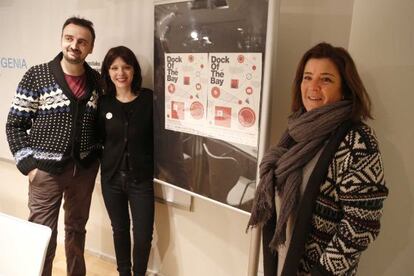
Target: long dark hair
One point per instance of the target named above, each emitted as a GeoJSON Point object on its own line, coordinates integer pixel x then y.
{"type": "Point", "coordinates": [129, 58]}
{"type": "Point", "coordinates": [352, 87]}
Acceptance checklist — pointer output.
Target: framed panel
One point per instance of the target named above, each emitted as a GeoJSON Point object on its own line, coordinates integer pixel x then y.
{"type": "Point", "coordinates": [215, 158]}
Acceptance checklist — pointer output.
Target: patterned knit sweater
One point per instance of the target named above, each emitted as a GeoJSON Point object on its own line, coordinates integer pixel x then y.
{"type": "Point", "coordinates": [47, 126]}
{"type": "Point", "coordinates": [348, 208]}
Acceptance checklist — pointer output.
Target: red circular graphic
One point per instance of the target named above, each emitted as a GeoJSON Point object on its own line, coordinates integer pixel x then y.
{"type": "Point", "coordinates": [215, 92]}
{"type": "Point", "coordinates": [197, 110]}
{"type": "Point", "coordinates": [198, 86]}
{"type": "Point", "coordinates": [190, 58]}
{"type": "Point", "coordinates": [254, 67]}
{"type": "Point", "coordinates": [171, 88]}
{"type": "Point", "coordinates": [249, 90]}
{"type": "Point", "coordinates": [247, 117]}
{"type": "Point", "coordinates": [240, 58]}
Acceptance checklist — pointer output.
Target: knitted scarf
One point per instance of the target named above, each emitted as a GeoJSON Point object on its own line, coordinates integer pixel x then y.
{"type": "Point", "coordinates": [281, 166]}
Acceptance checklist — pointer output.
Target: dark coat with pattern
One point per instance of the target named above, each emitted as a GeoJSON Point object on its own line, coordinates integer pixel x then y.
{"type": "Point", "coordinates": [339, 214]}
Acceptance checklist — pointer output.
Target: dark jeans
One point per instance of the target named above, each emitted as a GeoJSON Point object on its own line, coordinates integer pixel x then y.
{"type": "Point", "coordinates": [119, 192]}
{"type": "Point", "coordinates": [45, 197]}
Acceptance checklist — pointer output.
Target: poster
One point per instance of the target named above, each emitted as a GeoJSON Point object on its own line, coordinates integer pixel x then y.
{"type": "Point", "coordinates": [186, 82]}
{"type": "Point", "coordinates": [215, 95]}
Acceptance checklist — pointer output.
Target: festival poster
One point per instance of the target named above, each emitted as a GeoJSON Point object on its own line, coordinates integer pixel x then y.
{"type": "Point", "coordinates": [234, 97]}
{"type": "Point", "coordinates": [186, 80]}
{"type": "Point", "coordinates": [215, 95]}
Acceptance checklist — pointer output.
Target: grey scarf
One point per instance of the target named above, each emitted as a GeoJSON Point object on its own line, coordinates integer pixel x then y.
{"type": "Point", "coordinates": [281, 166]}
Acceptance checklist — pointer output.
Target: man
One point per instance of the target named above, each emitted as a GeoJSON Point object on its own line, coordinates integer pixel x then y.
{"type": "Point", "coordinates": [57, 102]}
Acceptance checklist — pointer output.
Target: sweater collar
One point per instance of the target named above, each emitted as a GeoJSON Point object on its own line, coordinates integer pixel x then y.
{"type": "Point", "coordinates": [59, 75]}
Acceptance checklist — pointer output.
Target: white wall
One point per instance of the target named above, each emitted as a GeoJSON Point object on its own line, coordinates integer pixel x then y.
{"type": "Point", "coordinates": [211, 240]}
{"type": "Point", "coordinates": [302, 24]}
{"type": "Point", "coordinates": [382, 44]}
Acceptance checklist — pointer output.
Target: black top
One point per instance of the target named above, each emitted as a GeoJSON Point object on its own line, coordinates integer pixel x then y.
{"type": "Point", "coordinates": [126, 131]}
{"type": "Point", "coordinates": [128, 109]}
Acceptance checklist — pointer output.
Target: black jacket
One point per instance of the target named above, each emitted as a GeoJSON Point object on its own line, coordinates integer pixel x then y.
{"type": "Point", "coordinates": [136, 137]}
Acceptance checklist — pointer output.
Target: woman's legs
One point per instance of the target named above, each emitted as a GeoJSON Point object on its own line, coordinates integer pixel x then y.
{"type": "Point", "coordinates": [141, 198]}
{"type": "Point", "coordinates": [116, 202]}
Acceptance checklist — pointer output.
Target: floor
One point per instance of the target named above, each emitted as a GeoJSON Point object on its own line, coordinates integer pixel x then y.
{"type": "Point", "coordinates": [95, 266]}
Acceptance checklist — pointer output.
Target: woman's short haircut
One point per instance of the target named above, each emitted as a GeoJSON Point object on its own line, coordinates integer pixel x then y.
{"type": "Point", "coordinates": [129, 58]}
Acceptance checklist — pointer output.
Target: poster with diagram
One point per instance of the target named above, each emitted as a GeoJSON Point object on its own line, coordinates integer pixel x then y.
{"type": "Point", "coordinates": [234, 97]}
{"type": "Point", "coordinates": [186, 82]}
{"type": "Point", "coordinates": [215, 95]}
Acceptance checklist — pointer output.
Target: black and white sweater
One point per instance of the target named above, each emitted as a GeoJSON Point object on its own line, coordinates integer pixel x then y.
{"type": "Point", "coordinates": [339, 214]}
{"type": "Point", "coordinates": [347, 215]}
{"type": "Point", "coordinates": [47, 126]}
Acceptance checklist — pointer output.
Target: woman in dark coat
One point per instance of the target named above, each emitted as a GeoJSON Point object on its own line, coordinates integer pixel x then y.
{"type": "Point", "coordinates": [126, 126]}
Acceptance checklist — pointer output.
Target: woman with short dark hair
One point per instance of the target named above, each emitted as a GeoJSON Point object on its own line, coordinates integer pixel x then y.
{"type": "Point", "coordinates": [126, 130]}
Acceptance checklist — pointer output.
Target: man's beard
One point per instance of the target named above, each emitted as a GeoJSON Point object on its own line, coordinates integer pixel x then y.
{"type": "Point", "coordinates": [70, 60]}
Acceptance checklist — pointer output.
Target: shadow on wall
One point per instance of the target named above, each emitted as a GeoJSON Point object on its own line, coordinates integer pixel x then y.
{"type": "Point", "coordinates": [397, 220]}
{"type": "Point", "coordinates": [162, 242]}
{"type": "Point", "coordinates": [14, 190]}
{"type": "Point", "coordinates": [180, 246]}
{"type": "Point", "coordinates": [328, 25]}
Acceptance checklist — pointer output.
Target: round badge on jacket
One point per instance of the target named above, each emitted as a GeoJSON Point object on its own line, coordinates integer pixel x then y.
{"type": "Point", "coordinates": [108, 115]}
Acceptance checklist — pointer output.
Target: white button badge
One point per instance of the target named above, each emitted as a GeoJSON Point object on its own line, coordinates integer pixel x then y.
{"type": "Point", "coordinates": [108, 115]}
